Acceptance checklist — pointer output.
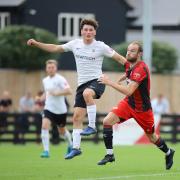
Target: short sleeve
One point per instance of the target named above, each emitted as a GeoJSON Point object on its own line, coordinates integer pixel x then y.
{"type": "Point", "coordinates": [107, 51]}
{"type": "Point", "coordinates": [138, 74]}
{"type": "Point", "coordinates": [43, 83]}
{"type": "Point", "coordinates": [68, 46]}
{"type": "Point", "coordinates": [64, 83]}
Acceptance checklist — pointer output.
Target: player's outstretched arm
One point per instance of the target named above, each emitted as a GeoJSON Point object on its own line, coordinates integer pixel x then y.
{"type": "Point", "coordinates": [64, 92]}
{"type": "Point", "coordinates": [119, 58]}
{"type": "Point", "coordinates": [53, 48]}
{"type": "Point", "coordinates": [122, 78]}
{"type": "Point", "coordinates": [126, 90]}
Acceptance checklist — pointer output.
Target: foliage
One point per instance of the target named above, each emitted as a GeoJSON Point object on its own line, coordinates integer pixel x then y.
{"type": "Point", "coordinates": [111, 65]}
{"type": "Point", "coordinates": [164, 58]}
{"type": "Point", "coordinates": [16, 54]}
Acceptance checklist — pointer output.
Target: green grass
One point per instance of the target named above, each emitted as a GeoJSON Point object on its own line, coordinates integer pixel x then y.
{"type": "Point", "coordinates": [142, 162]}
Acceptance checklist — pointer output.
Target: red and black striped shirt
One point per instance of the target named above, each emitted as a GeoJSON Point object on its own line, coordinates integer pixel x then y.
{"type": "Point", "coordinates": [140, 99]}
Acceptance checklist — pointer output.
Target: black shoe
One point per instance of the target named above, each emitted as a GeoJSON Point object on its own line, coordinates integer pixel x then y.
{"type": "Point", "coordinates": [107, 158]}
{"type": "Point", "coordinates": [169, 159]}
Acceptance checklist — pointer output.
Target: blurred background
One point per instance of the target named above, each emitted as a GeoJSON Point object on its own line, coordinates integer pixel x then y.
{"type": "Point", "coordinates": [155, 22]}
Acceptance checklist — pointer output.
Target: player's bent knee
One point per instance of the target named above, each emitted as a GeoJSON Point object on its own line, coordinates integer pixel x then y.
{"type": "Point", "coordinates": [88, 94]}
{"type": "Point", "coordinates": [106, 122]}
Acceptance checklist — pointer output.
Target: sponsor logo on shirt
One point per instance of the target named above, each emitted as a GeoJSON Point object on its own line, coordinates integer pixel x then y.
{"type": "Point", "coordinates": [85, 57]}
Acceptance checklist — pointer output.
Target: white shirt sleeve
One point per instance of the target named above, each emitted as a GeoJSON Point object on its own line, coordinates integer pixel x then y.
{"type": "Point", "coordinates": [65, 84]}
{"type": "Point", "coordinates": [68, 46]}
{"type": "Point", "coordinates": [107, 51]}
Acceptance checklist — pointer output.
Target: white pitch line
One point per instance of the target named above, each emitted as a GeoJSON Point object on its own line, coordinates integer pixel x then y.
{"type": "Point", "coordinates": [131, 176]}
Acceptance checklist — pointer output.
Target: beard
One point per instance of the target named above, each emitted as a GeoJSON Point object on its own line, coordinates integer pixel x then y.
{"type": "Point", "coordinates": [132, 60]}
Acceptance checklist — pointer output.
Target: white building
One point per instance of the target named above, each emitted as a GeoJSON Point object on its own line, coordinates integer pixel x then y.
{"type": "Point", "coordinates": [165, 21]}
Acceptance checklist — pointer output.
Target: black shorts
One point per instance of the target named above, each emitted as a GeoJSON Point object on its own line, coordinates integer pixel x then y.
{"type": "Point", "coordinates": [93, 84]}
{"type": "Point", "coordinates": [58, 119]}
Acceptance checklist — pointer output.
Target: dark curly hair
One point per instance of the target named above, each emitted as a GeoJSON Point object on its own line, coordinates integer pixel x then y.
{"type": "Point", "coordinates": [91, 22]}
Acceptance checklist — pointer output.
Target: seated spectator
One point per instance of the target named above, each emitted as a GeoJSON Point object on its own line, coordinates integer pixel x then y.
{"type": "Point", "coordinates": [5, 107]}
{"type": "Point", "coordinates": [39, 102]}
{"type": "Point", "coordinates": [160, 104]}
{"type": "Point", "coordinates": [26, 105]}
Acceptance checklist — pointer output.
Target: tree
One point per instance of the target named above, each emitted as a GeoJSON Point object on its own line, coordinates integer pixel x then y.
{"type": "Point", "coordinates": [16, 54]}
{"type": "Point", "coordinates": [164, 58]}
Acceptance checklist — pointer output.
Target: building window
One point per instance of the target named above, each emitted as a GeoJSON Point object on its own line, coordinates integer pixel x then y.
{"type": "Point", "coordinates": [68, 25]}
{"type": "Point", "coordinates": [4, 19]}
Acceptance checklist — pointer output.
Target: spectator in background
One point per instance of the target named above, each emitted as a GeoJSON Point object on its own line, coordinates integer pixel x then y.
{"type": "Point", "coordinates": [160, 104]}
{"type": "Point", "coordinates": [5, 107]}
{"type": "Point", "coordinates": [39, 102]}
{"type": "Point", "coordinates": [26, 105]}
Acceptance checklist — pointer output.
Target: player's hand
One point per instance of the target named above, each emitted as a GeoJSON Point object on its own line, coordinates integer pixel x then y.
{"type": "Point", "coordinates": [54, 93]}
{"type": "Point", "coordinates": [104, 79]}
{"type": "Point", "coordinates": [31, 42]}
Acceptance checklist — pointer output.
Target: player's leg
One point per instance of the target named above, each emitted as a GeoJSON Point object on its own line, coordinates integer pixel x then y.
{"type": "Point", "coordinates": [45, 137]}
{"type": "Point", "coordinates": [161, 144]}
{"type": "Point", "coordinates": [64, 131]}
{"type": "Point", "coordinates": [108, 122]}
{"type": "Point", "coordinates": [119, 113]}
{"type": "Point", "coordinates": [79, 115]}
{"type": "Point", "coordinates": [94, 90]}
{"type": "Point", "coordinates": [89, 95]}
{"type": "Point", "coordinates": [146, 121]}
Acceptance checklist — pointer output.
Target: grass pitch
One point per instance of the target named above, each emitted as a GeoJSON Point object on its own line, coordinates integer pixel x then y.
{"type": "Point", "coordinates": [140, 162]}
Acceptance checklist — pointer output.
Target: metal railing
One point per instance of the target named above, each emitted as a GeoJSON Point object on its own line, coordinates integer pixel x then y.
{"type": "Point", "coordinates": [26, 127]}
{"type": "Point", "coordinates": [170, 127]}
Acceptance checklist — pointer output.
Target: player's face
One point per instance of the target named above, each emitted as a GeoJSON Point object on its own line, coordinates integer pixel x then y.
{"type": "Point", "coordinates": [132, 53]}
{"type": "Point", "coordinates": [88, 32]}
{"type": "Point", "coordinates": [51, 69]}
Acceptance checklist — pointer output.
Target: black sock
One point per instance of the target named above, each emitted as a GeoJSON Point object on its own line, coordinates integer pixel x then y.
{"type": "Point", "coordinates": [108, 137]}
{"type": "Point", "coordinates": [160, 143]}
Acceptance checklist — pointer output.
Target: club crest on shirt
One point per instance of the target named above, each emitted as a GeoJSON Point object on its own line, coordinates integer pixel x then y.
{"type": "Point", "coordinates": [136, 75]}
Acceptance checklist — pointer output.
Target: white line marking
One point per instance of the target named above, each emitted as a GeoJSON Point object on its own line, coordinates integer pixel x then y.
{"type": "Point", "coordinates": [132, 176]}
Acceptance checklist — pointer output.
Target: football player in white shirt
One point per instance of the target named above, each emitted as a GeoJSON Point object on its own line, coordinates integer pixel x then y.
{"type": "Point", "coordinates": [55, 110]}
{"type": "Point", "coordinates": [89, 55]}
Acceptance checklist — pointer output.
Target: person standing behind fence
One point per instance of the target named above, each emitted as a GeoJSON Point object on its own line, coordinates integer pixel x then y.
{"type": "Point", "coordinates": [160, 105]}
{"type": "Point", "coordinates": [56, 88]}
{"type": "Point", "coordinates": [26, 105]}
